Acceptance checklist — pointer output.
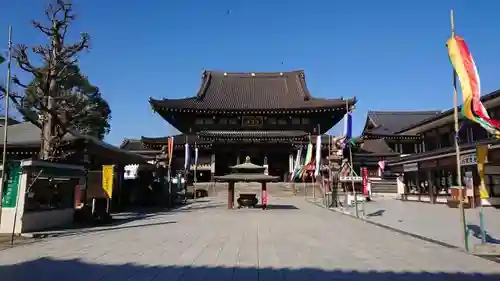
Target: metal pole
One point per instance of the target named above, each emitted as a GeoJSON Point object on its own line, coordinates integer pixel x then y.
{"type": "Point", "coordinates": [457, 151]}
{"type": "Point", "coordinates": [353, 186]}
{"type": "Point", "coordinates": [6, 121]}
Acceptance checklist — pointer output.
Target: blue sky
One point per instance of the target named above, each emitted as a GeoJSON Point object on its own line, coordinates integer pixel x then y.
{"type": "Point", "coordinates": [390, 54]}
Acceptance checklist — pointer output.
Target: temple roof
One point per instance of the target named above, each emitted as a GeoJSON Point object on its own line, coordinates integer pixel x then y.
{"type": "Point", "coordinates": [485, 99]}
{"type": "Point", "coordinates": [251, 91]}
{"type": "Point", "coordinates": [391, 122]}
{"type": "Point", "coordinates": [377, 146]}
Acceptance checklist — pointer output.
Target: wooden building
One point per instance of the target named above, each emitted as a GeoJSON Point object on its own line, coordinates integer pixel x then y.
{"type": "Point", "coordinates": [264, 115]}
{"type": "Point", "coordinates": [419, 147]}
{"type": "Point", "coordinates": [91, 153]}
{"type": "Point", "coordinates": [380, 141]}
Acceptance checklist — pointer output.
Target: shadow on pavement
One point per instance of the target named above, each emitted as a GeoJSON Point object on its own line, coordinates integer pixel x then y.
{"type": "Point", "coordinates": [476, 232]}
{"type": "Point", "coordinates": [80, 231]}
{"type": "Point", "coordinates": [378, 213]}
{"type": "Point", "coordinates": [279, 207]}
{"type": "Point", "coordinates": [76, 270]}
{"type": "Point", "coordinates": [197, 208]}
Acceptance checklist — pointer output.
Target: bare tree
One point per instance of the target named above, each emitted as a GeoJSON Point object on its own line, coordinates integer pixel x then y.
{"type": "Point", "coordinates": [52, 107]}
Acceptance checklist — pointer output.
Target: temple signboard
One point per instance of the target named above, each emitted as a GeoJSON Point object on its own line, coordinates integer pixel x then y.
{"type": "Point", "coordinates": [252, 121]}
{"type": "Point", "coordinates": [469, 159]}
{"type": "Point", "coordinates": [10, 192]}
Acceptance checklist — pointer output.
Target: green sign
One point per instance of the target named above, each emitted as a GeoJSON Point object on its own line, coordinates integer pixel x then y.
{"type": "Point", "coordinates": [9, 196]}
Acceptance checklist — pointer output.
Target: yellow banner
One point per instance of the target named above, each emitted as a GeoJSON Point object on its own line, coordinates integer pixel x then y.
{"type": "Point", "coordinates": [107, 179]}
{"type": "Point", "coordinates": [482, 153]}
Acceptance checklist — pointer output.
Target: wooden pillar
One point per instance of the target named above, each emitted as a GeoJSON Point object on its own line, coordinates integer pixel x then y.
{"type": "Point", "coordinates": [230, 195]}
{"type": "Point", "coordinates": [432, 187]}
{"type": "Point", "coordinates": [264, 196]}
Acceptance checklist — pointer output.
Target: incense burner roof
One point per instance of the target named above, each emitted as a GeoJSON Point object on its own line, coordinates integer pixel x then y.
{"type": "Point", "coordinates": [247, 172]}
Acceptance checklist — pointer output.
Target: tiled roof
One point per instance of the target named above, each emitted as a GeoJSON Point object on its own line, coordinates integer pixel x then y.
{"type": "Point", "coordinates": [131, 144]}
{"type": "Point", "coordinates": [391, 122]}
{"type": "Point", "coordinates": [376, 146]}
{"type": "Point", "coordinates": [25, 133]}
{"type": "Point", "coordinates": [449, 112]}
{"type": "Point", "coordinates": [250, 91]}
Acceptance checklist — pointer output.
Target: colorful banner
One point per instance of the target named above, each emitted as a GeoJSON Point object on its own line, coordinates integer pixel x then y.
{"type": "Point", "coordinates": [466, 70]}
{"type": "Point", "coordinates": [364, 175]}
{"type": "Point", "coordinates": [482, 154]}
{"type": "Point", "coordinates": [307, 162]}
{"type": "Point", "coordinates": [170, 144]}
{"type": "Point", "coordinates": [107, 180]}
{"type": "Point", "coordinates": [296, 167]}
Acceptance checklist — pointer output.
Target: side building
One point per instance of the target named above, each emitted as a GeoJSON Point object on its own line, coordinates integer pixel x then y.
{"type": "Point", "coordinates": [264, 115]}
{"type": "Point", "coordinates": [419, 148]}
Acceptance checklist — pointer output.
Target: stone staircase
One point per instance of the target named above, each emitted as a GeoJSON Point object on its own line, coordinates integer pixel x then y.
{"type": "Point", "coordinates": [388, 187]}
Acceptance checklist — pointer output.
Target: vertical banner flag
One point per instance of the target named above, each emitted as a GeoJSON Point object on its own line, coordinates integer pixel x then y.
{"type": "Point", "coordinates": [297, 164]}
{"type": "Point", "coordinates": [186, 156]}
{"type": "Point", "coordinates": [381, 167]}
{"type": "Point", "coordinates": [170, 149]}
{"type": "Point", "coordinates": [196, 157]}
{"type": "Point", "coordinates": [318, 156]}
{"type": "Point", "coordinates": [364, 176]}
{"type": "Point", "coordinates": [482, 153]}
{"type": "Point", "coordinates": [107, 180]}
{"type": "Point", "coordinates": [307, 161]}
{"type": "Point", "coordinates": [466, 70]}
{"type": "Point", "coordinates": [347, 127]}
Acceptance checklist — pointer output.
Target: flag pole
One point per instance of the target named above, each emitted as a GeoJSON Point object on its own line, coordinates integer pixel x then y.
{"type": "Point", "coordinates": [6, 121]}
{"type": "Point", "coordinates": [457, 151]}
{"type": "Point", "coordinates": [352, 167]}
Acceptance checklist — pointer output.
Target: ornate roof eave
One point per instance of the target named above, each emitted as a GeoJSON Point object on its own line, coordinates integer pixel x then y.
{"type": "Point", "coordinates": [391, 136]}
{"type": "Point", "coordinates": [249, 111]}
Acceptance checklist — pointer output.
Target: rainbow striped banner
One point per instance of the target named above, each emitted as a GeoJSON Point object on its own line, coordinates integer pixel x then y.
{"type": "Point", "coordinates": [466, 70]}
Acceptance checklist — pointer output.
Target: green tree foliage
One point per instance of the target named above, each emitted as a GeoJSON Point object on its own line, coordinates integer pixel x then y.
{"type": "Point", "coordinates": [83, 106]}
{"type": "Point", "coordinates": [58, 98]}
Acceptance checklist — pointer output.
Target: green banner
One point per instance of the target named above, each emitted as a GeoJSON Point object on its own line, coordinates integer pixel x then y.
{"type": "Point", "coordinates": [10, 192]}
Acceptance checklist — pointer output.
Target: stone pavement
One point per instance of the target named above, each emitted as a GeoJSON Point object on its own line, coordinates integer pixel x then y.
{"type": "Point", "coordinates": [294, 240]}
{"type": "Point", "coordinates": [434, 221]}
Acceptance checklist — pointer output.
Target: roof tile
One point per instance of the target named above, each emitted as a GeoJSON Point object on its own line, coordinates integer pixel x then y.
{"type": "Point", "coordinates": [260, 90]}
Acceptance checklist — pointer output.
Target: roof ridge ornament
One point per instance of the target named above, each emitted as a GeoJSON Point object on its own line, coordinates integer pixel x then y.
{"type": "Point", "coordinates": [247, 159]}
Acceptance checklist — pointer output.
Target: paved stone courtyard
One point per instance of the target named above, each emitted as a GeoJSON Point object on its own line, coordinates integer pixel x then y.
{"type": "Point", "coordinates": [295, 240]}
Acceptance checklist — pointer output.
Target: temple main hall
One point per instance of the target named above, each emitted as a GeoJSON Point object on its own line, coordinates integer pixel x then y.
{"type": "Point", "coordinates": [264, 115]}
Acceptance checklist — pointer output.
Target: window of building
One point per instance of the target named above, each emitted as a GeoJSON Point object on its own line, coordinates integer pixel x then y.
{"type": "Point", "coordinates": [44, 195]}
{"type": "Point", "coordinates": [199, 121]}
{"type": "Point", "coordinates": [430, 142]}
{"type": "Point", "coordinates": [408, 148]}
{"type": "Point", "coordinates": [282, 121]}
{"type": "Point", "coordinates": [305, 121]}
{"type": "Point", "coordinates": [223, 121]}
{"type": "Point", "coordinates": [209, 121]}
{"type": "Point", "coordinates": [444, 140]}
{"type": "Point", "coordinates": [271, 120]}
{"type": "Point", "coordinates": [478, 133]}
{"type": "Point", "coordinates": [296, 121]}
{"type": "Point", "coordinates": [233, 121]}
